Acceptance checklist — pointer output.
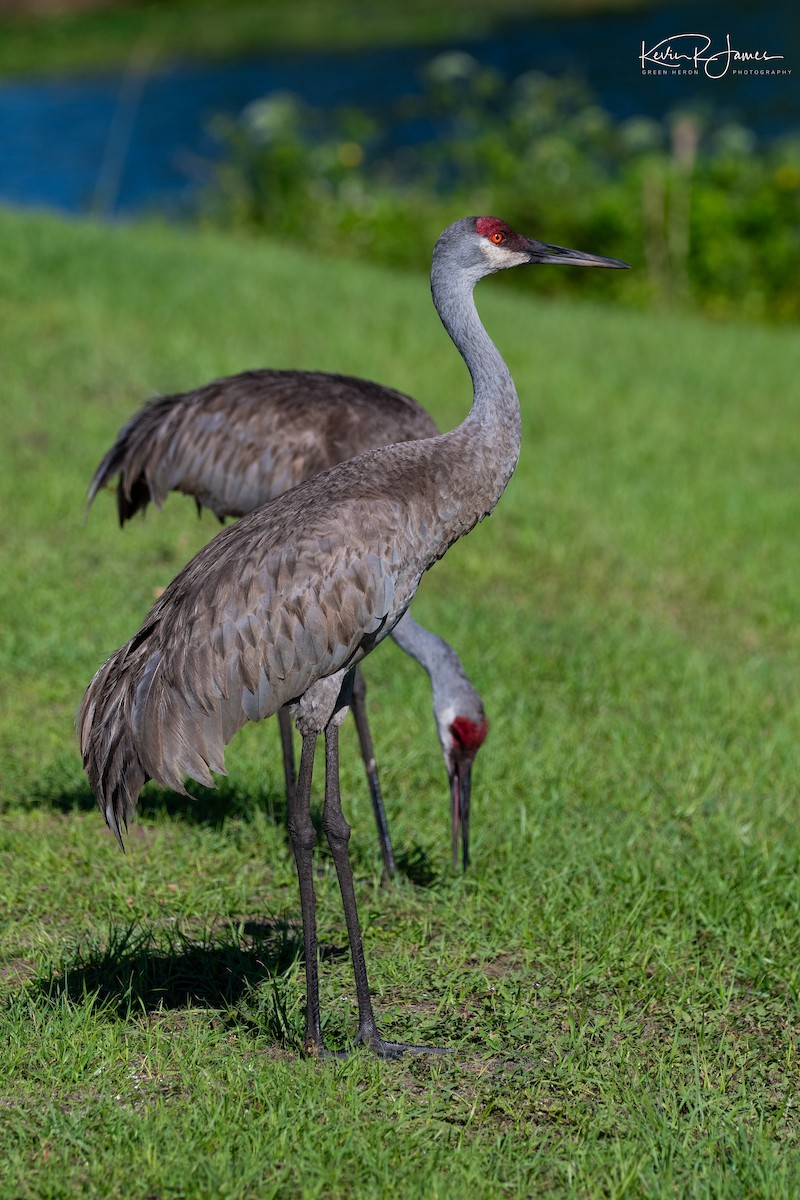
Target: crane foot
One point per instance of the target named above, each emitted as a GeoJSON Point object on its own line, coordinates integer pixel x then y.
{"type": "Point", "coordinates": [393, 1050]}
{"type": "Point", "coordinates": [375, 1045]}
{"type": "Point", "coordinates": [369, 1038]}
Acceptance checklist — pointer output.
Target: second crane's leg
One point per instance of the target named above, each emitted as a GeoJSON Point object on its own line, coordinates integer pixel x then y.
{"type": "Point", "coordinates": [303, 837]}
{"type": "Point", "coordinates": [287, 745]}
{"type": "Point", "coordinates": [358, 706]}
{"type": "Point", "coordinates": [337, 831]}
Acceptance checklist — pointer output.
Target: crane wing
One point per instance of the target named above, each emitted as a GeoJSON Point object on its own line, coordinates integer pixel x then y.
{"type": "Point", "coordinates": [248, 626]}
{"type": "Point", "coordinates": [243, 440]}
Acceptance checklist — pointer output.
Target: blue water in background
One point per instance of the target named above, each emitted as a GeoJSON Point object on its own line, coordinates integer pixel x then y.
{"type": "Point", "coordinates": [72, 145]}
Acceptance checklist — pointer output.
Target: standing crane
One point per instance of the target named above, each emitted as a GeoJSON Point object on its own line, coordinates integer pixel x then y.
{"type": "Point", "coordinates": [243, 440]}
{"type": "Point", "coordinates": [282, 606]}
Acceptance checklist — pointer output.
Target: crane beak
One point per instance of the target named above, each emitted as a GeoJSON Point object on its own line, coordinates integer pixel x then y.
{"type": "Point", "coordinates": [542, 252]}
{"type": "Point", "coordinates": [460, 788]}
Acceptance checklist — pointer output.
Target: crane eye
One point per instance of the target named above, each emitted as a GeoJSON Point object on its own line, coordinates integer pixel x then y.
{"type": "Point", "coordinates": [498, 237]}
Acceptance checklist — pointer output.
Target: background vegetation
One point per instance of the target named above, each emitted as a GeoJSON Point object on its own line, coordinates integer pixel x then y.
{"type": "Point", "coordinates": [709, 215]}
{"type": "Point", "coordinates": [619, 971]}
{"type": "Point", "coordinates": [39, 36]}
{"type": "Point", "coordinates": [708, 212]}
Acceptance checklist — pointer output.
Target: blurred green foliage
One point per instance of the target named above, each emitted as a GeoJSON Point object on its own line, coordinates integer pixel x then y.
{"type": "Point", "coordinates": [65, 35]}
{"type": "Point", "coordinates": [710, 215]}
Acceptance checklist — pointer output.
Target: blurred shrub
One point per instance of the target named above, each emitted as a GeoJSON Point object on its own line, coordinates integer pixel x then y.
{"type": "Point", "coordinates": [708, 215]}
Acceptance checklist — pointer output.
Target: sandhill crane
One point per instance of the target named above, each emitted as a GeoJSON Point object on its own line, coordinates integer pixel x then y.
{"type": "Point", "coordinates": [242, 440]}
{"type": "Point", "coordinates": [280, 607]}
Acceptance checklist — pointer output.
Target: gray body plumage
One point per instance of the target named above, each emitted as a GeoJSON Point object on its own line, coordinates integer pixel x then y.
{"type": "Point", "coordinates": [322, 574]}
{"type": "Point", "coordinates": [302, 587]}
{"type": "Point", "coordinates": [245, 439]}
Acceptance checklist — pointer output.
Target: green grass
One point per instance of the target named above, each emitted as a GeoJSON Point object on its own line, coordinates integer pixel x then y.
{"type": "Point", "coordinates": [159, 30]}
{"type": "Point", "coordinates": [619, 970]}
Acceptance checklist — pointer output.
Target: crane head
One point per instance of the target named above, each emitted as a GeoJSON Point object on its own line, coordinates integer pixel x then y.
{"type": "Point", "coordinates": [484, 245]}
{"type": "Point", "coordinates": [503, 247]}
{"type": "Point", "coordinates": [461, 741]}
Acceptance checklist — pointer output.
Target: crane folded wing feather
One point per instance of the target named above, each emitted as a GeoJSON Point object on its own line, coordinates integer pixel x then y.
{"type": "Point", "coordinates": [230, 660]}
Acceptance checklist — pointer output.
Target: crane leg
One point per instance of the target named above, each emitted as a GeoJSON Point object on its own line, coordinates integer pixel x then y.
{"type": "Point", "coordinates": [303, 838]}
{"type": "Point", "coordinates": [359, 709]}
{"type": "Point", "coordinates": [287, 745]}
{"type": "Point", "coordinates": [337, 831]}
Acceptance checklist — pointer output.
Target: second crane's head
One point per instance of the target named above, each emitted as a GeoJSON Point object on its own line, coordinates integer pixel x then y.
{"type": "Point", "coordinates": [483, 245]}
{"type": "Point", "coordinates": [462, 727]}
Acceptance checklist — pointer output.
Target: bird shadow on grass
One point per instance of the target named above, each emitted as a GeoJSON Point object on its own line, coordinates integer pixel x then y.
{"type": "Point", "coordinates": [213, 807]}
{"type": "Point", "coordinates": [210, 807]}
{"type": "Point", "coordinates": [237, 971]}
{"type": "Point", "coordinates": [230, 801]}
{"type": "Point", "coordinates": [415, 864]}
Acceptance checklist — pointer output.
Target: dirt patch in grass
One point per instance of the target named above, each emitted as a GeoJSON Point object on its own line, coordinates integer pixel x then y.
{"type": "Point", "coordinates": [16, 971]}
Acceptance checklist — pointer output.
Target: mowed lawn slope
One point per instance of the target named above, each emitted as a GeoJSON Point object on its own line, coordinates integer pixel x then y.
{"type": "Point", "coordinates": [619, 970]}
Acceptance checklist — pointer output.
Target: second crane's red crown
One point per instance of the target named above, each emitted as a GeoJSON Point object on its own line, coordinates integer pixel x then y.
{"type": "Point", "coordinates": [469, 735]}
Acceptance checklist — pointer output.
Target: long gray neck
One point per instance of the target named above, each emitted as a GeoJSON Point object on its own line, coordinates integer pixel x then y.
{"type": "Point", "coordinates": [453, 694]}
{"type": "Point", "coordinates": [488, 441]}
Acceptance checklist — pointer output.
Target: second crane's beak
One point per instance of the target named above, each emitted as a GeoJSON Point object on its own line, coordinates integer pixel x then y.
{"type": "Point", "coordinates": [460, 787]}
{"type": "Point", "coordinates": [541, 252]}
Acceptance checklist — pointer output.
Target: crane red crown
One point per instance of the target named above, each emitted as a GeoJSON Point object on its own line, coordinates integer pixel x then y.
{"type": "Point", "coordinates": [486, 226]}
{"type": "Point", "coordinates": [469, 735]}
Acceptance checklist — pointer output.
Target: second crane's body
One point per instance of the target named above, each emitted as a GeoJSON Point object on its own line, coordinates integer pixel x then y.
{"type": "Point", "coordinates": [245, 439]}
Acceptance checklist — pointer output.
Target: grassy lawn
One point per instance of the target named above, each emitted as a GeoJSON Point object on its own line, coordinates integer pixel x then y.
{"type": "Point", "coordinates": [619, 971]}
